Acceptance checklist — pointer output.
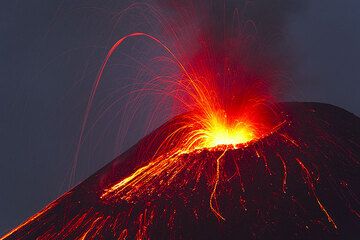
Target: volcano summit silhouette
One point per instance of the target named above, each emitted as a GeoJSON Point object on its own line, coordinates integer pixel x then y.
{"type": "Point", "coordinates": [299, 182]}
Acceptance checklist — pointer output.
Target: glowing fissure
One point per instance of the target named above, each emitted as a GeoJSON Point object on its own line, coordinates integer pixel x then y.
{"type": "Point", "coordinates": [213, 203]}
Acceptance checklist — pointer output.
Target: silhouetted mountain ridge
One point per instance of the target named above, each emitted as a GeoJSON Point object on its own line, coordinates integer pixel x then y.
{"type": "Point", "coordinates": [301, 182]}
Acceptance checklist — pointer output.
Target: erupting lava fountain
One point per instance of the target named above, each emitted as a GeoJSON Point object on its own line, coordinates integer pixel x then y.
{"type": "Point", "coordinates": [234, 165]}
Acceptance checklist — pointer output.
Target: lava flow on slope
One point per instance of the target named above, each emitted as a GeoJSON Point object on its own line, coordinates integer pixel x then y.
{"type": "Point", "coordinates": [297, 182]}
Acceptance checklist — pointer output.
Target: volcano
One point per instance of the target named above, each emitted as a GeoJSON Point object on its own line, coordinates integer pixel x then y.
{"type": "Point", "coordinates": [301, 181]}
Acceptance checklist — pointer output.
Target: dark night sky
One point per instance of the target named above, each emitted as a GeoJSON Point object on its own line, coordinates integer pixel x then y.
{"type": "Point", "coordinates": [50, 52]}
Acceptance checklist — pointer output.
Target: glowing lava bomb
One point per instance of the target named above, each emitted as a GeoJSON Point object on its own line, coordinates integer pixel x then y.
{"type": "Point", "coordinates": [299, 181]}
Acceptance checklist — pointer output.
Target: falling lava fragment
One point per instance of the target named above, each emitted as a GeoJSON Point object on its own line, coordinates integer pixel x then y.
{"type": "Point", "coordinates": [300, 181]}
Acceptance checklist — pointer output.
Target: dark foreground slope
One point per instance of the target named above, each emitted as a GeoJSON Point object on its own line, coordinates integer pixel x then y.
{"type": "Point", "coordinates": [301, 182]}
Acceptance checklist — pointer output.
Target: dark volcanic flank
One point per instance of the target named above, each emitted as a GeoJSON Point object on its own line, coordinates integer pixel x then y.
{"type": "Point", "coordinates": [299, 182]}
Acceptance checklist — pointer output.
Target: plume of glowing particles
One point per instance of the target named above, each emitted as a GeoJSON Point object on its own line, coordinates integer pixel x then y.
{"type": "Point", "coordinates": [205, 126]}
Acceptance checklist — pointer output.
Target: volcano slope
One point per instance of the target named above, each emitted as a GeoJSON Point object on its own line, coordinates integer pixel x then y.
{"type": "Point", "coordinates": [299, 182]}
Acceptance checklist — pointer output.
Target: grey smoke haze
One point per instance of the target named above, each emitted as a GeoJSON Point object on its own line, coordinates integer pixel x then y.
{"type": "Point", "coordinates": [50, 52]}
